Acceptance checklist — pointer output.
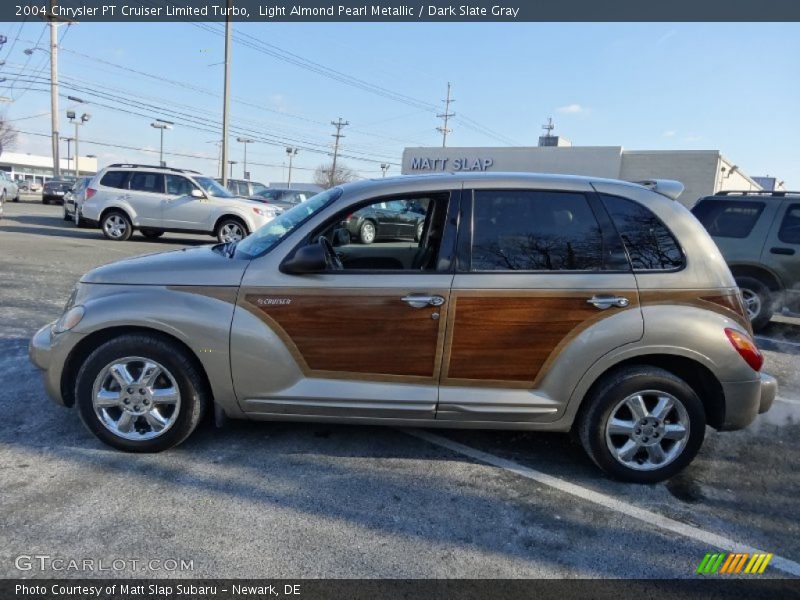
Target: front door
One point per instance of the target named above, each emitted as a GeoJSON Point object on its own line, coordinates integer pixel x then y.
{"type": "Point", "coordinates": [145, 195]}
{"type": "Point", "coordinates": [364, 341]}
{"type": "Point", "coordinates": [181, 209]}
{"type": "Point", "coordinates": [541, 292]}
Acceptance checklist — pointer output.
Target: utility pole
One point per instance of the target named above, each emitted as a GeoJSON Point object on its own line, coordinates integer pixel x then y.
{"type": "Point", "coordinates": [54, 89]}
{"type": "Point", "coordinates": [226, 95]}
{"type": "Point", "coordinates": [446, 115]}
{"type": "Point", "coordinates": [245, 141]}
{"type": "Point", "coordinates": [338, 135]}
{"type": "Point", "coordinates": [291, 153]}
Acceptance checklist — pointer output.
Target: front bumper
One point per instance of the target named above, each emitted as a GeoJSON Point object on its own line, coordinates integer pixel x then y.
{"type": "Point", "coordinates": [49, 353]}
{"type": "Point", "coordinates": [745, 400]}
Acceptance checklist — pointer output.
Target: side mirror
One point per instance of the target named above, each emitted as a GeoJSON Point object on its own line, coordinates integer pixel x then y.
{"type": "Point", "coordinates": [195, 193]}
{"type": "Point", "coordinates": [307, 259]}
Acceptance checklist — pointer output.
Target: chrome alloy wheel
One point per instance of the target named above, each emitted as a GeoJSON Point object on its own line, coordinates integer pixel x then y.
{"type": "Point", "coordinates": [647, 430]}
{"type": "Point", "coordinates": [115, 226]}
{"type": "Point", "coordinates": [231, 232]}
{"type": "Point", "coordinates": [752, 303]}
{"type": "Point", "coordinates": [136, 398]}
{"type": "Point", "coordinates": [368, 232]}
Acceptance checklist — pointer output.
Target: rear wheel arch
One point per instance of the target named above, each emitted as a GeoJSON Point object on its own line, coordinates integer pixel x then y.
{"type": "Point", "coordinates": [766, 276]}
{"type": "Point", "coordinates": [118, 209]}
{"type": "Point", "coordinates": [92, 341]}
{"type": "Point", "coordinates": [697, 375]}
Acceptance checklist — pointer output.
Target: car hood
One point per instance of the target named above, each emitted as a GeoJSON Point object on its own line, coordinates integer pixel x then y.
{"type": "Point", "coordinates": [190, 266]}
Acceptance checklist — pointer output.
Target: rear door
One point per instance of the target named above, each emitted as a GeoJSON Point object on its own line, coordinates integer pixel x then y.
{"type": "Point", "coordinates": [541, 273]}
{"type": "Point", "coordinates": [145, 195]}
{"type": "Point", "coordinates": [782, 250]}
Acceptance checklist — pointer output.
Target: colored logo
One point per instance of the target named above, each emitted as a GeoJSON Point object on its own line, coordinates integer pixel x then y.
{"type": "Point", "coordinates": [732, 564]}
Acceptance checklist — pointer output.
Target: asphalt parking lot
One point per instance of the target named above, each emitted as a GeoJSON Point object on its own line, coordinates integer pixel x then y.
{"type": "Point", "coordinates": [304, 500]}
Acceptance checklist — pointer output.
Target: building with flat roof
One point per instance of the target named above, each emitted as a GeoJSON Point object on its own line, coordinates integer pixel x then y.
{"type": "Point", "coordinates": [702, 172]}
{"type": "Point", "coordinates": [38, 169]}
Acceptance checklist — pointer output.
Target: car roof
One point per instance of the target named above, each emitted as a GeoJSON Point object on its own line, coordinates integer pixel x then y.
{"type": "Point", "coordinates": [750, 195]}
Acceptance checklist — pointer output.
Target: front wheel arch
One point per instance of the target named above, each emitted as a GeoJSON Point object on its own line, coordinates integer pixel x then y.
{"type": "Point", "coordinates": [88, 344]}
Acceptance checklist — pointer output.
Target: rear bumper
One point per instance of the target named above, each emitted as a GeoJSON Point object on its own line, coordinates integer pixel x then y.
{"type": "Point", "coordinates": [745, 400]}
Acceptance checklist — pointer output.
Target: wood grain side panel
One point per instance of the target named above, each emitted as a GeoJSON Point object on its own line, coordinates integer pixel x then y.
{"type": "Point", "coordinates": [723, 301]}
{"type": "Point", "coordinates": [356, 333]}
{"type": "Point", "coordinates": [511, 338]}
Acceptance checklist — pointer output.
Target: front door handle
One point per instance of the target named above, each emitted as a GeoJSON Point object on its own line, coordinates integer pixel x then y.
{"type": "Point", "coordinates": [421, 301]}
{"type": "Point", "coordinates": [786, 251]}
{"type": "Point", "coordinates": [604, 302]}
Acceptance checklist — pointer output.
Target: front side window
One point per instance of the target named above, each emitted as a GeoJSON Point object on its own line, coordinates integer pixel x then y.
{"type": "Point", "coordinates": [115, 179]}
{"type": "Point", "coordinates": [516, 230]}
{"type": "Point", "coordinates": [178, 185]}
{"type": "Point", "coordinates": [212, 188]}
{"type": "Point", "coordinates": [142, 181]}
{"type": "Point", "coordinates": [651, 246]}
{"type": "Point", "coordinates": [789, 232]}
{"type": "Point", "coordinates": [727, 218]}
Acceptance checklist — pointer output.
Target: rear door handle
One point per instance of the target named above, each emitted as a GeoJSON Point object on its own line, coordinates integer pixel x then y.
{"type": "Point", "coordinates": [421, 301]}
{"type": "Point", "coordinates": [787, 251]}
{"type": "Point", "coordinates": [604, 302]}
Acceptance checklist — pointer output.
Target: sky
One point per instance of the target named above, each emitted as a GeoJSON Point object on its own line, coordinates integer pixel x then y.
{"type": "Point", "coordinates": [644, 86]}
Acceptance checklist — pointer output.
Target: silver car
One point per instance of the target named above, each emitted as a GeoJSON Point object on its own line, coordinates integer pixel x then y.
{"type": "Point", "coordinates": [529, 302]}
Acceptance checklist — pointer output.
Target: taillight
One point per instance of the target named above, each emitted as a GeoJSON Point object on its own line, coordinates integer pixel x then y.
{"type": "Point", "coordinates": [746, 348]}
{"type": "Point", "coordinates": [90, 192]}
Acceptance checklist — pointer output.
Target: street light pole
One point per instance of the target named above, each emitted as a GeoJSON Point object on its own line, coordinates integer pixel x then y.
{"type": "Point", "coordinates": [291, 152]}
{"type": "Point", "coordinates": [231, 163]}
{"type": "Point", "coordinates": [82, 121]}
{"type": "Point", "coordinates": [384, 168]}
{"type": "Point", "coordinates": [69, 155]}
{"type": "Point", "coordinates": [161, 126]}
{"type": "Point", "coordinates": [245, 141]}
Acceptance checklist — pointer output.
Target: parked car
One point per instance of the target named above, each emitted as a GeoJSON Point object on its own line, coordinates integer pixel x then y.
{"type": "Point", "coordinates": [243, 188]}
{"type": "Point", "coordinates": [127, 197]}
{"type": "Point", "coordinates": [393, 219]}
{"type": "Point", "coordinates": [759, 236]}
{"type": "Point", "coordinates": [55, 189]}
{"type": "Point", "coordinates": [35, 187]}
{"type": "Point", "coordinates": [9, 190]}
{"type": "Point", "coordinates": [73, 200]}
{"type": "Point", "coordinates": [530, 302]}
{"type": "Point", "coordinates": [283, 198]}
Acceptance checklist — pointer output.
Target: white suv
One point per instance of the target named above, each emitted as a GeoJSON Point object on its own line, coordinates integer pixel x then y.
{"type": "Point", "coordinates": [124, 197]}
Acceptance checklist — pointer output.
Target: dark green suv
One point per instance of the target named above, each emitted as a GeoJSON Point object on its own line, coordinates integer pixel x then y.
{"type": "Point", "coordinates": [759, 236]}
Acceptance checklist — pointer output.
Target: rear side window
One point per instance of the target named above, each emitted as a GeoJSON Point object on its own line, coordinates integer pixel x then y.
{"type": "Point", "coordinates": [725, 218]}
{"type": "Point", "coordinates": [535, 231]}
{"type": "Point", "coordinates": [142, 181]}
{"type": "Point", "coordinates": [115, 179]}
{"type": "Point", "coordinates": [651, 246]}
{"type": "Point", "coordinates": [790, 226]}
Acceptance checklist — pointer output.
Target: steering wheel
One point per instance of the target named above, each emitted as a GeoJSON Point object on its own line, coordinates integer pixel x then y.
{"type": "Point", "coordinates": [331, 258]}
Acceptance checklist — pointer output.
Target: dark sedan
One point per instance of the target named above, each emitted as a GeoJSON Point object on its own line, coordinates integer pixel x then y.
{"type": "Point", "coordinates": [395, 219]}
{"type": "Point", "coordinates": [55, 189]}
{"type": "Point", "coordinates": [282, 198]}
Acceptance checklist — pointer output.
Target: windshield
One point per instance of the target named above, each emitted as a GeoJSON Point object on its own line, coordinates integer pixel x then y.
{"type": "Point", "coordinates": [258, 188]}
{"type": "Point", "coordinates": [212, 188]}
{"type": "Point", "coordinates": [269, 235]}
{"type": "Point", "coordinates": [268, 194]}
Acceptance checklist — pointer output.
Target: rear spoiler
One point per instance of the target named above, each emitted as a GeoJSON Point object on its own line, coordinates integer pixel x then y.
{"type": "Point", "coordinates": [666, 187]}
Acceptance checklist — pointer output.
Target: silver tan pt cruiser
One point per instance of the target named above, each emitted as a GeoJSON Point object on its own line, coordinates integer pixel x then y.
{"type": "Point", "coordinates": [527, 302]}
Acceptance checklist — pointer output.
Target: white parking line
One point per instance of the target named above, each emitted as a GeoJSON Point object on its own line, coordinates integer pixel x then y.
{"type": "Point", "coordinates": [606, 501]}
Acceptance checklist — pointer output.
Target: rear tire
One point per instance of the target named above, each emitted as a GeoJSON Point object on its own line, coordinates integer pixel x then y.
{"type": "Point", "coordinates": [116, 226]}
{"type": "Point", "coordinates": [651, 441]}
{"type": "Point", "coordinates": [758, 301]}
{"type": "Point", "coordinates": [96, 390]}
{"type": "Point", "coordinates": [367, 232]}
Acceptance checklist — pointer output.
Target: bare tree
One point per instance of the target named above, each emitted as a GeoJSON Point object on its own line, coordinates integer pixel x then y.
{"type": "Point", "coordinates": [8, 135]}
{"type": "Point", "coordinates": [325, 178]}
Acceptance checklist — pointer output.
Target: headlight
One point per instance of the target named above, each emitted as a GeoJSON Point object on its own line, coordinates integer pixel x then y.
{"type": "Point", "coordinates": [69, 319]}
{"type": "Point", "coordinates": [263, 212]}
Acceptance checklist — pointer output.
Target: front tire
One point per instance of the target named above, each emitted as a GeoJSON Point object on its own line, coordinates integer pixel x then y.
{"type": "Point", "coordinates": [140, 393]}
{"type": "Point", "coordinates": [116, 226]}
{"type": "Point", "coordinates": [758, 301]}
{"type": "Point", "coordinates": [229, 230]}
{"type": "Point", "coordinates": [152, 234]}
{"type": "Point", "coordinates": [642, 424]}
